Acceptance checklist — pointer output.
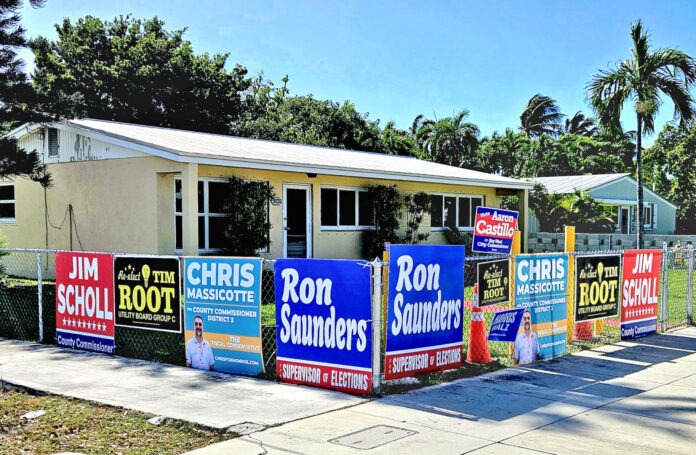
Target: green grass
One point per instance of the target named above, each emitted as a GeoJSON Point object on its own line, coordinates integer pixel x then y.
{"type": "Point", "coordinates": [71, 425]}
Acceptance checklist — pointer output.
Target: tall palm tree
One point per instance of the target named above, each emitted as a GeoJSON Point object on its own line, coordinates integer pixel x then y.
{"type": "Point", "coordinates": [541, 117]}
{"type": "Point", "coordinates": [580, 124]}
{"type": "Point", "coordinates": [450, 140]}
{"type": "Point", "coordinates": [640, 80]}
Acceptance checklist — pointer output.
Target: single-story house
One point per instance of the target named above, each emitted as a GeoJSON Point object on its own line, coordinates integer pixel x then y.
{"type": "Point", "coordinates": [618, 191]}
{"type": "Point", "coordinates": [122, 187]}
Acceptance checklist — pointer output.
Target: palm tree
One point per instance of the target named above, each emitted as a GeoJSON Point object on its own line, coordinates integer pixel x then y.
{"type": "Point", "coordinates": [580, 125]}
{"type": "Point", "coordinates": [640, 79]}
{"type": "Point", "coordinates": [450, 140]}
{"type": "Point", "coordinates": [541, 116]}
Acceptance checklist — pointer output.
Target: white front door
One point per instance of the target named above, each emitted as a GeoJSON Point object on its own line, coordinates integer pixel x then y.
{"type": "Point", "coordinates": [297, 221]}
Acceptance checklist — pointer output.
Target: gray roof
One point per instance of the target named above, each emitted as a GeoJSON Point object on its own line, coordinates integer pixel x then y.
{"type": "Point", "coordinates": [215, 149]}
{"type": "Point", "coordinates": [569, 183]}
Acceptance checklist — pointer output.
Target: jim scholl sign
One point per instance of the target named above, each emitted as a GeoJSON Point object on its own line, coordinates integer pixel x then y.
{"type": "Point", "coordinates": [147, 293]}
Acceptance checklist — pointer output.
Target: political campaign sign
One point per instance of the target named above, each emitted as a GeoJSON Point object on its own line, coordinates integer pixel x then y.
{"type": "Point", "coordinates": [639, 292]}
{"type": "Point", "coordinates": [223, 314]}
{"type": "Point", "coordinates": [85, 301]}
{"type": "Point", "coordinates": [596, 287]}
{"type": "Point", "coordinates": [147, 293]}
{"type": "Point", "coordinates": [493, 230]}
{"type": "Point", "coordinates": [324, 323]}
{"type": "Point", "coordinates": [494, 282]}
{"type": "Point", "coordinates": [425, 310]}
{"type": "Point", "coordinates": [505, 325]}
{"type": "Point", "coordinates": [541, 285]}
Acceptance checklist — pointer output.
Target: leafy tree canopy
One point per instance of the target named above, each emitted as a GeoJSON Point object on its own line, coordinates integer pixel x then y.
{"type": "Point", "coordinates": [579, 209]}
{"type": "Point", "coordinates": [19, 103]}
{"type": "Point", "coordinates": [269, 113]}
{"type": "Point", "coordinates": [136, 71]}
{"type": "Point", "coordinates": [669, 166]}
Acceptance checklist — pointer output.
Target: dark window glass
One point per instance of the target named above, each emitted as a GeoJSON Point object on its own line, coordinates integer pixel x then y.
{"type": "Point", "coordinates": [7, 211]}
{"type": "Point", "coordinates": [52, 142]}
{"type": "Point", "coordinates": [177, 196]}
{"type": "Point", "coordinates": [7, 193]}
{"type": "Point", "coordinates": [365, 206]}
{"type": "Point", "coordinates": [347, 208]}
{"type": "Point", "coordinates": [436, 211]}
{"type": "Point", "coordinates": [450, 211]}
{"type": "Point", "coordinates": [201, 232]}
{"type": "Point", "coordinates": [475, 202]}
{"type": "Point", "coordinates": [464, 212]}
{"type": "Point", "coordinates": [201, 197]}
{"type": "Point", "coordinates": [329, 212]}
{"type": "Point", "coordinates": [179, 242]}
{"type": "Point", "coordinates": [216, 197]}
{"type": "Point", "coordinates": [217, 232]}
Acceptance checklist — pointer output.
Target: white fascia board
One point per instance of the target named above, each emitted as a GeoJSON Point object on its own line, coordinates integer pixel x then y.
{"type": "Point", "coordinates": [171, 155]}
{"type": "Point", "coordinates": [616, 201]}
{"type": "Point", "coordinates": [23, 130]}
{"type": "Point", "coordinates": [327, 170]}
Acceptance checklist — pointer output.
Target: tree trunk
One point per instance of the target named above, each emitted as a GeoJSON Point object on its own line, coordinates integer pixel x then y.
{"type": "Point", "coordinates": [640, 226]}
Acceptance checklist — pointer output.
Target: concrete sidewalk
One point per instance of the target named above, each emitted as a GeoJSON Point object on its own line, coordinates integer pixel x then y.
{"type": "Point", "coordinates": [637, 397]}
{"type": "Point", "coordinates": [631, 397]}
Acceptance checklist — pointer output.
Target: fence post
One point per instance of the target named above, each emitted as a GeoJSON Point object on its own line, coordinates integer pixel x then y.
{"type": "Point", "coordinates": [40, 294]}
{"type": "Point", "coordinates": [664, 311]}
{"type": "Point", "coordinates": [690, 286]}
{"type": "Point", "coordinates": [377, 326]}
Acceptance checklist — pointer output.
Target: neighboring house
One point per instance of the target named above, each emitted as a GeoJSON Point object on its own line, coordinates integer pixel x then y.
{"type": "Point", "coordinates": [618, 191]}
{"type": "Point", "coordinates": [131, 188]}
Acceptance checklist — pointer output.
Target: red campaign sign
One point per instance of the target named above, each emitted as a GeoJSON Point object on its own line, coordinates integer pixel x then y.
{"type": "Point", "coordinates": [355, 381]}
{"type": "Point", "coordinates": [641, 278]}
{"type": "Point", "coordinates": [85, 301]}
{"type": "Point", "coordinates": [409, 364]}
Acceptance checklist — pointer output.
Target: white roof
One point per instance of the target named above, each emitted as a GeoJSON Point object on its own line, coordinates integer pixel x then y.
{"type": "Point", "coordinates": [569, 183]}
{"type": "Point", "coordinates": [215, 149]}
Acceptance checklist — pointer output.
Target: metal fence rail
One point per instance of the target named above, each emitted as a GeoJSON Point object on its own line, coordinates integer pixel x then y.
{"type": "Point", "coordinates": [28, 295]}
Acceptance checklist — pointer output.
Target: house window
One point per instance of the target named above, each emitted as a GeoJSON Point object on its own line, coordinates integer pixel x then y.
{"type": "Point", "coordinates": [211, 215]}
{"type": "Point", "coordinates": [53, 142]}
{"type": "Point", "coordinates": [346, 209]}
{"type": "Point", "coordinates": [7, 203]}
{"type": "Point", "coordinates": [454, 211]}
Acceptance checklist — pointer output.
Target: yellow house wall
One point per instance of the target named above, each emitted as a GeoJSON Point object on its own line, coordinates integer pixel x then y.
{"type": "Point", "coordinates": [127, 205]}
{"type": "Point", "coordinates": [331, 243]}
{"type": "Point", "coordinates": [117, 205]}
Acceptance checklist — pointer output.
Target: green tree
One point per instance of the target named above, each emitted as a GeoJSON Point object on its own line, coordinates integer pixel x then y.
{"type": "Point", "coordinates": [19, 103]}
{"type": "Point", "coordinates": [541, 117]}
{"type": "Point", "coordinates": [136, 71]}
{"type": "Point", "coordinates": [669, 166]}
{"type": "Point", "coordinates": [641, 79]}
{"type": "Point", "coordinates": [269, 113]}
{"type": "Point", "coordinates": [451, 140]}
{"type": "Point", "coordinates": [580, 125]}
{"type": "Point", "coordinates": [247, 226]}
{"type": "Point", "coordinates": [579, 209]}
{"type": "Point", "coordinates": [396, 141]}
{"type": "Point", "coordinates": [387, 205]}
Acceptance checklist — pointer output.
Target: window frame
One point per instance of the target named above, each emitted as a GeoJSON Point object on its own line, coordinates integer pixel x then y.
{"type": "Point", "coordinates": [12, 202]}
{"type": "Point", "coordinates": [203, 212]}
{"type": "Point", "coordinates": [338, 226]}
{"type": "Point", "coordinates": [458, 197]}
{"type": "Point", "coordinates": [53, 144]}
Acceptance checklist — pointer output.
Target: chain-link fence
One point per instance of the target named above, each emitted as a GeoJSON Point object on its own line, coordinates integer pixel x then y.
{"type": "Point", "coordinates": [28, 311]}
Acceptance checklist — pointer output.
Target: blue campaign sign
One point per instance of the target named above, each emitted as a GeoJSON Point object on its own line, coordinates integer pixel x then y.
{"type": "Point", "coordinates": [494, 230]}
{"type": "Point", "coordinates": [324, 319]}
{"type": "Point", "coordinates": [541, 285]}
{"type": "Point", "coordinates": [425, 312]}
{"type": "Point", "coordinates": [505, 325]}
{"type": "Point", "coordinates": [223, 314]}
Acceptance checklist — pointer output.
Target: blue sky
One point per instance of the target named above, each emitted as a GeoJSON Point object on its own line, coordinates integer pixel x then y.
{"type": "Point", "coordinates": [398, 59]}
